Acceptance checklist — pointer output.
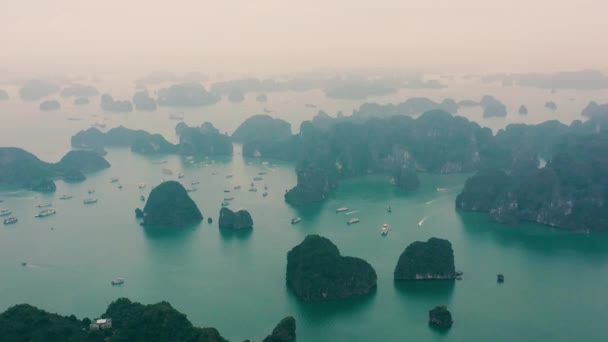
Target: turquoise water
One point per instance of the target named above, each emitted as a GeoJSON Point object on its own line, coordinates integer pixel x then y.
{"type": "Point", "coordinates": [234, 281]}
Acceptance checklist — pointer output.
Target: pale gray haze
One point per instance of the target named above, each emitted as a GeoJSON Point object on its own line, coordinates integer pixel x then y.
{"type": "Point", "coordinates": [280, 35]}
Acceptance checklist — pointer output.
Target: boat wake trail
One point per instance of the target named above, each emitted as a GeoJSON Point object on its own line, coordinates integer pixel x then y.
{"type": "Point", "coordinates": [421, 222]}
{"type": "Point", "coordinates": [429, 202]}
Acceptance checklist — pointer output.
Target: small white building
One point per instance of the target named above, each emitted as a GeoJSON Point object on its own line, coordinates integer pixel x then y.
{"type": "Point", "coordinates": [101, 324]}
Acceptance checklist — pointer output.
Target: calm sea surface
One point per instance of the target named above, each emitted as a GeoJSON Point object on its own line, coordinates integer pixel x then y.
{"type": "Point", "coordinates": [555, 282]}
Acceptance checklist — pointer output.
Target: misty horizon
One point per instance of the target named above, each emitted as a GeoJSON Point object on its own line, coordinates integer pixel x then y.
{"type": "Point", "coordinates": [272, 37]}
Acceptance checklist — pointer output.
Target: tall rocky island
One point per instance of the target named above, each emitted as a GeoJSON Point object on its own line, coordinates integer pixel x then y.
{"type": "Point", "coordinates": [235, 220]}
{"type": "Point", "coordinates": [433, 259]}
{"type": "Point", "coordinates": [569, 192]}
{"type": "Point", "coordinates": [440, 317]}
{"type": "Point", "coordinates": [317, 272]}
{"type": "Point", "coordinates": [169, 205]}
{"type": "Point", "coordinates": [21, 169]}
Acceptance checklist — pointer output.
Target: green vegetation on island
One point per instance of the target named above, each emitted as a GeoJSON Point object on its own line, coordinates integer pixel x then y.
{"type": "Point", "coordinates": [125, 321]}
{"type": "Point", "coordinates": [317, 272]}
{"type": "Point", "coordinates": [440, 317]}
{"type": "Point", "coordinates": [143, 101]}
{"type": "Point", "coordinates": [240, 219]}
{"type": "Point", "coordinates": [433, 259]}
{"type": "Point", "coordinates": [285, 331]}
{"type": "Point", "coordinates": [170, 205]}
{"type": "Point", "coordinates": [189, 94]}
{"type": "Point", "coordinates": [568, 192]}
{"type": "Point", "coordinates": [109, 104]}
{"type": "Point", "coordinates": [19, 168]}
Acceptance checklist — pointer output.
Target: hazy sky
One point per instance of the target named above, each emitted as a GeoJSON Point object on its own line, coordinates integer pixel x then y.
{"type": "Point", "coordinates": [284, 35]}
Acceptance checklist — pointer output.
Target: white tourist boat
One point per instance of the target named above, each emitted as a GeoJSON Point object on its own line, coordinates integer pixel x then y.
{"type": "Point", "coordinates": [385, 229]}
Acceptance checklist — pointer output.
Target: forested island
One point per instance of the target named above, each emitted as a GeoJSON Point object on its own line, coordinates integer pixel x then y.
{"type": "Point", "coordinates": [205, 140]}
{"type": "Point", "coordinates": [568, 192]}
{"type": "Point", "coordinates": [109, 104]}
{"type": "Point", "coordinates": [241, 219]}
{"type": "Point", "coordinates": [128, 321]}
{"type": "Point", "coordinates": [433, 259]}
{"type": "Point", "coordinates": [317, 272]}
{"type": "Point", "coordinates": [188, 94]}
{"type": "Point", "coordinates": [169, 205]}
{"type": "Point", "coordinates": [21, 169]}
{"type": "Point", "coordinates": [143, 101]}
{"type": "Point", "coordinates": [398, 146]}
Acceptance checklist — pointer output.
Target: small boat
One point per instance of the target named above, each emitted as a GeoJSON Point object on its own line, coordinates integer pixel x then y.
{"type": "Point", "coordinates": [10, 220]}
{"type": "Point", "coordinates": [265, 163]}
{"type": "Point", "coordinates": [230, 175]}
{"type": "Point", "coordinates": [209, 220]}
{"type": "Point", "coordinates": [23, 263]}
{"type": "Point", "coordinates": [265, 187]}
{"type": "Point", "coordinates": [90, 201]}
{"type": "Point", "coordinates": [226, 191]}
{"type": "Point", "coordinates": [191, 189]}
{"type": "Point", "coordinates": [224, 204]}
{"type": "Point", "coordinates": [341, 209]}
{"type": "Point", "coordinates": [5, 212]}
{"type": "Point", "coordinates": [421, 222]}
{"type": "Point", "coordinates": [237, 187]}
{"type": "Point", "coordinates": [159, 162]}
{"type": "Point", "coordinates": [47, 212]}
{"type": "Point", "coordinates": [253, 190]}
{"type": "Point", "coordinates": [228, 198]}
{"type": "Point", "coordinates": [44, 205]}
{"type": "Point", "coordinates": [113, 180]}
{"type": "Point", "coordinates": [141, 185]}
{"type": "Point", "coordinates": [120, 186]}
{"type": "Point", "coordinates": [257, 178]}
{"type": "Point", "coordinates": [261, 173]}
{"type": "Point", "coordinates": [352, 221]}
{"type": "Point", "coordinates": [264, 194]}
{"type": "Point", "coordinates": [352, 212]}
{"type": "Point", "coordinates": [389, 210]}
{"type": "Point", "coordinates": [118, 281]}
{"type": "Point", "coordinates": [195, 182]}
{"type": "Point", "coordinates": [142, 198]}
{"type": "Point", "coordinates": [385, 229]}
{"type": "Point", "coordinates": [296, 220]}
{"type": "Point", "coordinates": [167, 171]}
{"type": "Point", "coordinates": [91, 192]}
{"type": "Point", "coordinates": [180, 175]}
{"type": "Point", "coordinates": [65, 197]}
{"type": "Point", "coordinates": [441, 189]}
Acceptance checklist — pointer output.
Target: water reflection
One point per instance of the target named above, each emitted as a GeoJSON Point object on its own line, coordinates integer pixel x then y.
{"type": "Point", "coordinates": [175, 234]}
{"type": "Point", "coordinates": [536, 238]}
{"type": "Point", "coordinates": [320, 312]}
{"type": "Point", "coordinates": [440, 291]}
{"type": "Point", "coordinates": [235, 234]}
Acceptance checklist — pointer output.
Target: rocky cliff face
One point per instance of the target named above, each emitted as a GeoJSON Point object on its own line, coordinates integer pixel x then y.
{"type": "Point", "coordinates": [169, 205]}
{"type": "Point", "coordinates": [429, 260]}
{"type": "Point", "coordinates": [235, 220]}
{"type": "Point", "coordinates": [317, 272]}
{"type": "Point", "coordinates": [570, 192]}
